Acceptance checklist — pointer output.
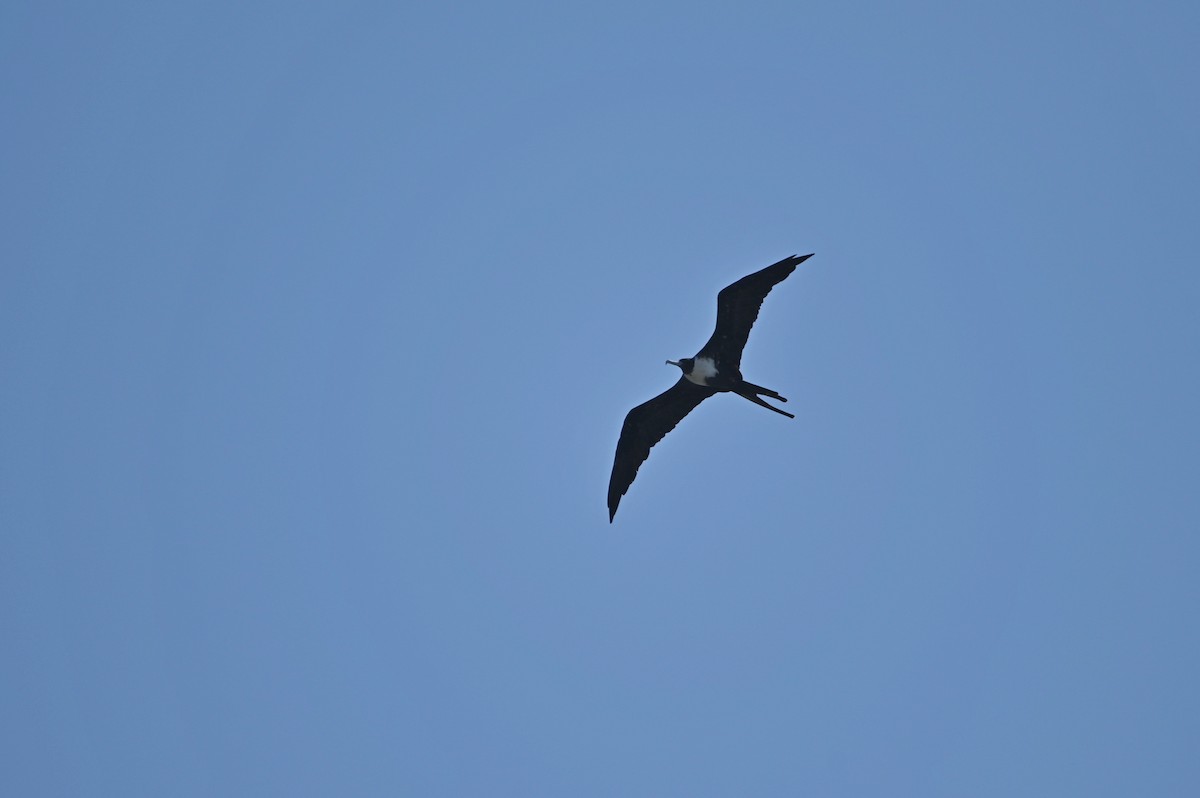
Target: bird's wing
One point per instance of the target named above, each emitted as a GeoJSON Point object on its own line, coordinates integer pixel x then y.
{"type": "Point", "coordinates": [737, 309]}
{"type": "Point", "coordinates": [645, 426]}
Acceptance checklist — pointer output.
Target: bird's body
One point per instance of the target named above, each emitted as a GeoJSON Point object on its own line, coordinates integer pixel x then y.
{"type": "Point", "coordinates": [703, 369]}
{"type": "Point", "coordinates": [714, 369]}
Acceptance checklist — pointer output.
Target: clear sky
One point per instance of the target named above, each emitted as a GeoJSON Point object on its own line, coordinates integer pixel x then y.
{"type": "Point", "coordinates": [318, 323]}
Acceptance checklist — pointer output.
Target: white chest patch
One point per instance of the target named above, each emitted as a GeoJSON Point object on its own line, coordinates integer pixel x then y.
{"type": "Point", "coordinates": [702, 370]}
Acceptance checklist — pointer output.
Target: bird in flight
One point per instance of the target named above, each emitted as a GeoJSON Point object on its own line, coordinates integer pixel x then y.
{"type": "Point", "coordinates": [715, 368]}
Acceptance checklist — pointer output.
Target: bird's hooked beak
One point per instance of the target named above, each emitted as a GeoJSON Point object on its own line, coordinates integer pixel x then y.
{"type": "Point", "coordinates": [673, 363]}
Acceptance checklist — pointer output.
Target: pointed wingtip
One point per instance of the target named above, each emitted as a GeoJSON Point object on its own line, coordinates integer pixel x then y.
{"type": "Point", "coordinates": [792, 261]}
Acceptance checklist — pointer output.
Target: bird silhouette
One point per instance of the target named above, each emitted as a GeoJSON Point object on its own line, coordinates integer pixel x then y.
{"type": "Point", "coordinates": [714, 369]}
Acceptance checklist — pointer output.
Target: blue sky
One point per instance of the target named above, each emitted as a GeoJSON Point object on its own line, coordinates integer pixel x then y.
{"type": "Point", "coordinates": [319, 321]}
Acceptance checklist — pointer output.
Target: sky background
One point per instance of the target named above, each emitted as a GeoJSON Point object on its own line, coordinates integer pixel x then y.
{"type": "Point", "coordinates": [318, 323]}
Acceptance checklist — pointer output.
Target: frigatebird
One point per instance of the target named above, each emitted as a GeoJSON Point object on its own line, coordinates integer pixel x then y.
{"type": "Point", "coordinates": [715, 368]}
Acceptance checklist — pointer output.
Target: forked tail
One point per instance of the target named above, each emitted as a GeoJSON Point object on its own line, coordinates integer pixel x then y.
{"type": "Point", "coordinates": [750, 391]}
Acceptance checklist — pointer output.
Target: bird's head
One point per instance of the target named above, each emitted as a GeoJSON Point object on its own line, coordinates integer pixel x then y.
{"type": "Point", "coordinates": [685, 364]}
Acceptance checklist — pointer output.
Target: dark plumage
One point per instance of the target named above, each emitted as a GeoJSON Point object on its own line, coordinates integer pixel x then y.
{"type": "Point", "coordinates": [715, 368]}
